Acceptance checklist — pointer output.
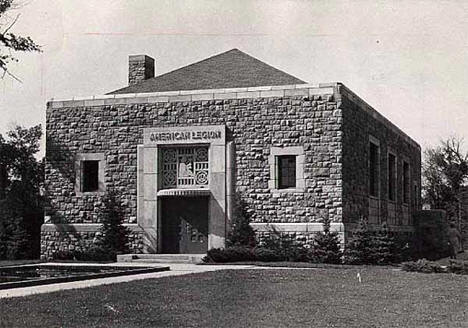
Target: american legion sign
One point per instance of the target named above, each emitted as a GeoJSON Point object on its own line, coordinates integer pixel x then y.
{"type": "Point", "coordinates": [178, 149]}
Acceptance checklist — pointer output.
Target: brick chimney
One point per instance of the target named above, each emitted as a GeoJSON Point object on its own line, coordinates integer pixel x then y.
{"type": "Point", "coordinates": [140, 68]}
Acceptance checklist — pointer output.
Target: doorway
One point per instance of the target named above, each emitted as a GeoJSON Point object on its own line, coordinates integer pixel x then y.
{"type": "Point", "coordinates": [184, 225]}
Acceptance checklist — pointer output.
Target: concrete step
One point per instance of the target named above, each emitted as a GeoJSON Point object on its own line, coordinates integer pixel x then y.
{"type": "Point", "coordinates": [161, 258]}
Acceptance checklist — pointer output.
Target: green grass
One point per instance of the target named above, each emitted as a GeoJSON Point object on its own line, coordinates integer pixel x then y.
{"type": "Point", "coordinates": [255, 298]}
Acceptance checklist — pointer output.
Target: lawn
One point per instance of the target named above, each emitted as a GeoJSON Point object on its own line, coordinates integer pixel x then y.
{"type": "Point", "coordinates": [17, 262]}
{"type": "Point", "coordinates": [255, 298]}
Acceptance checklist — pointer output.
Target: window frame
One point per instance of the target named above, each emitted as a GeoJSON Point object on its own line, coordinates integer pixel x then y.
{"type": "Point", "coordinates": [406, 182]}
{"type": "Point", "coordinates": [392, 193]}
{"type": "Point", "coordinates": [282, 184]}
{"type": "Point", "coordinates": [374, 142]}
{"type": "Point", "coordinates": [275, 153]}
{"type": "Point", "coordinates": [79, 171]}
{"type": "Point", "coordinates": [86, 184]}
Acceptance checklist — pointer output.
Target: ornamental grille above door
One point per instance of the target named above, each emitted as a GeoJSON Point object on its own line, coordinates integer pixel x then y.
{"type": "Point", "coordinates": [185, 167]}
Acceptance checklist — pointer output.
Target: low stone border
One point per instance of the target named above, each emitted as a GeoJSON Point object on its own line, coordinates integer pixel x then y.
{"type": "Point", "coordinates": [123, 271]}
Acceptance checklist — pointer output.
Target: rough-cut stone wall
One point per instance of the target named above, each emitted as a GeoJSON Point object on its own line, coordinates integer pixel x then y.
{"type": "Point", "coordinates": [254, 125]}
{"type": "Point", "coordinates": [359, 122]}
{"type": "Point", "coordinates": [55, 241]}
{"type": "Point", "coordinates": [303, 238]}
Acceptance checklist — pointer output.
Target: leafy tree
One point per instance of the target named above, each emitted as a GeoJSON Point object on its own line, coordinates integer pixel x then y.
{"type": "Point", "coordinates": [445, 174]}
{"type": "Point", "coordinates": [241, 234]}
{"type": "Point", "coordinates": [21, 202]}
{"type": "Point", "coordinates": [326, 247]}
{"type": "Point", "coordinates": [113, 235]}
{"type": "Point", "coordinates": [9, 41]}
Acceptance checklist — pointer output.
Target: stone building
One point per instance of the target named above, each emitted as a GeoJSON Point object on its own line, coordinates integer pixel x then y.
{"type": "Point", "coordinates": [179, 148]}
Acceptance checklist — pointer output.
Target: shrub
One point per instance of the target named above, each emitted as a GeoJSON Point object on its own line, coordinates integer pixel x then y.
{"type": "Point", "coordinates": [458, 266]}
{"type": "Point", "coordinates": [423, 265]}
{"type": "Point", "coordinates": [64, 255]}
{"type": "Point", "coordinates": [431, 234]}
{"type": "Point", "coordinates": [230, 254]}
{"type": "Point", "coordinates": [383, 249]}
{"type": "Point", "coordinates": [359, 249]}
{"type": "Point", "coordinates": [326, 247]}
{"type": "Point", "coordinates": [369, 247]}
{"type": "Point", "coordinates": [241, 254]}
{"type": "Point", "coordinates": [114, 236]}
{"type": "Point", "coordinates": [285, 246]}
{"type": "Point", "coordinates": [266, 255]}
{"type": "Point", "coordinates": [96, 253]}
{"type": "Point", "coordinates": [241, 234]}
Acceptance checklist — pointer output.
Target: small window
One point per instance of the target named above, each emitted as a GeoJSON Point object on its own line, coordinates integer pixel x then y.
{"type": "Point", "coordinates": [415, 195]}
{"type": "Point", "coordinates": [406, 182]}
{"type": "Point", "coordinates": [90, 176]}
{"type": "Point", "coordinates": [286, 171]}
{"type": "Point", "coordinates": [391, 177]}
{"type": "Point", "coordinates": [373, 169]}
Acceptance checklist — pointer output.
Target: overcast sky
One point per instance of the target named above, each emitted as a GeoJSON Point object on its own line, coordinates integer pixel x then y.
{"type": "Point", "coordinates": [408, 59]}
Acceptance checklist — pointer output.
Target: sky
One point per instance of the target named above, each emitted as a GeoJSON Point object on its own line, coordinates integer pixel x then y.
{"type": "Point", "coordinates": [407, 59]}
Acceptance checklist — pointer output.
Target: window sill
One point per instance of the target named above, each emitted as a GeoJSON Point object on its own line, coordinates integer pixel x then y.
{"type": "Point", "coordinates": [90, 193]}
{"type": "Point", "coordinates": [288, 190]}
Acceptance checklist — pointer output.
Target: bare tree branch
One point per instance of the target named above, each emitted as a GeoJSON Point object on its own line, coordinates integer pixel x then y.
{"type": "Point", "coordinates": [11, 25]}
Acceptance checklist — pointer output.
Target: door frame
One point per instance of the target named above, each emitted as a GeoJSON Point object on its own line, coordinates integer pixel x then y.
{"type": "Point", "coordinates": [160, 219]}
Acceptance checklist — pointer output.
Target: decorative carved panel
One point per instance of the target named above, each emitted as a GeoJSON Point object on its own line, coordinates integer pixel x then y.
{"type": "Point", "coordinates": [185, 167]}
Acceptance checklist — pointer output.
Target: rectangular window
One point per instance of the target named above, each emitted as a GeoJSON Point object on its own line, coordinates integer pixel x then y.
{"type": "Point", "coordinates": [406, 182]}
{"type": "Point", "coordinates": [90, 176]}
{"type": "Point", "coordinates": [286, 171]}
{"type": "Point", "coordinates": [415, 195]}
{"type": "Point", "coordinates": [391, 177]}
{"type": "Point", "coordinates": [374, 169]}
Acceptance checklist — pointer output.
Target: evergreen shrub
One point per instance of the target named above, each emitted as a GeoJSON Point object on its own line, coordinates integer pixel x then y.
{"type": "Point", "coordinates": [424, 266]}
{"type": "Point", "coordinates": [242, 233]}
{"type": "Point", "coordinates": [359, 249]}
{"type": "Point", "coordinates": [326, 247]}
{"type": "Point", "coordinates": [113, 237]}
{"type": "Point", "coordinates": [371, 247]}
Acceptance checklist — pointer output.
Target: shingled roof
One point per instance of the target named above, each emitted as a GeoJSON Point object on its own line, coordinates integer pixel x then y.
{"type": "Point", "coordinates": [230, 69]}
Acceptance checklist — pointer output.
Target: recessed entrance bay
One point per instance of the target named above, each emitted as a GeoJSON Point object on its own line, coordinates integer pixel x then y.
{"type": "Point", "coordinates": [184, 225]}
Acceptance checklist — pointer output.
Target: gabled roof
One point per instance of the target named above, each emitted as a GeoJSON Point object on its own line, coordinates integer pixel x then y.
{"type": "Point", "coordinates": [230, 69]}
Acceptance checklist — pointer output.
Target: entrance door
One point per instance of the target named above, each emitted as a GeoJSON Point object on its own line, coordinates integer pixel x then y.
{"type": "Point", "coordinates": [184, 225]}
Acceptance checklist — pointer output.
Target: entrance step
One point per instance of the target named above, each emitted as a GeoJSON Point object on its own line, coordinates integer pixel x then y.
{"type": "Point", "coordinates": [161, 258]}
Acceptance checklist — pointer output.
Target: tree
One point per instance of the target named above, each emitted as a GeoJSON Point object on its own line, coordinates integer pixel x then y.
{"type": "Point", "coordinates": [21, 202]}
{"type": "Point", "coordinates": [9, 41]}
{"type": "Point", "coordinates": [445, 173]}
